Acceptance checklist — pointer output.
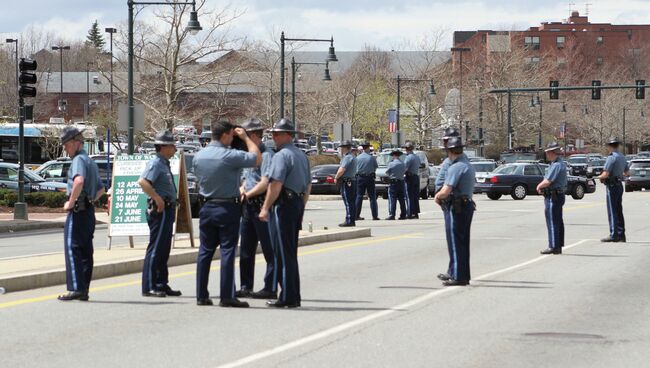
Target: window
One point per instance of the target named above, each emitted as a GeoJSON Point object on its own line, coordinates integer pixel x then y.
{"type": "Point", "coordinates": [559, 41]}
{"type": "Point", "coordinates": [532, 60]}
{"type": "Point", "coordinates": [531, 42]}
{"type": "Point", "coordinates": [531, 170]}
{"type": "Point", "coordinates": [561, 61]}
{"type": "Point", "coordinates": [599, 60]}
{"type": "Point", "coordinates": [599, 40]}
{"type": "Point", "coordinates": [54, 171]}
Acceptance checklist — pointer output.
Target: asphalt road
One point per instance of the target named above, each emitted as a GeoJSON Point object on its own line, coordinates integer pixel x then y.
{"type": "Point", "coordinates": [376, 302]}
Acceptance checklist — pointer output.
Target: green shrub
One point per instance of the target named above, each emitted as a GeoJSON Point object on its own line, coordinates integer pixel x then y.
{"type": "Point", "coordinates": [323, 160]}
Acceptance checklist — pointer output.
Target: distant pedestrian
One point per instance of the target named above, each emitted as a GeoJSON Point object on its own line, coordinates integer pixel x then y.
{"type": "Point", "coordinates": [157, 181]}
{"type": "Point", "coordinates": [412, 182]}
{"type": "Point", "coordinates": [284, 207]}
{"type": "Point", "coordinates": [366, 168]}
{"type": "Point", "coordinates": [395, 172]}
{"type": "Point", "coordinates": [456, 199]}
{"type": "Point", "coordinates": [614, 172]}
{"type": "Point", "coordinates": [84, 187]}
{"type": "Point", "coordinates": [553, 188]}
{"type": "Point", "coordinates": [218, 170]}
{"type": "Point", "coordinates": [346, 177]}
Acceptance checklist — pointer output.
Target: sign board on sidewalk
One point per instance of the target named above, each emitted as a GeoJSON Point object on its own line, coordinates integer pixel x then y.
{"type": "Point", "coordinates": [128, 210]}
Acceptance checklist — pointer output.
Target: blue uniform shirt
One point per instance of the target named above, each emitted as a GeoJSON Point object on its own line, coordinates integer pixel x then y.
{"type": "Point", "coordinates": [253, 175]}
{"type": "Point", "coordinates": [396, 169]}
{"type": "Point", "coordinates": [291, 167]}
{"type": "Point", "coordinates": [84, 166]}
{"type": "Point", "coordinates": [556, 174]}
{"type": "Point", "coordinates": [412, 162]}
{"type": "Point", "coordinates": [366, 164]}
{"type": "Point", "coordinates": [218, 170]}
{"type": "Point", "coordinates": [440, 179]}
{"type": "Point", "coordinates": [159, 174]}
{"type": "Point", "coordinates": [349, 162]}
{"type": "Point", "coordinates": [616, 165]}
{"type": "Point", "coordinates": [461, 177]}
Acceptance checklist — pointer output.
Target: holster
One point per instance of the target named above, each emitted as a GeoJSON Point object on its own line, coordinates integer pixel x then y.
{"type": "Point", "coordinates": [82, 203]}
{"type": "Point", "coordinates": [458, 203]}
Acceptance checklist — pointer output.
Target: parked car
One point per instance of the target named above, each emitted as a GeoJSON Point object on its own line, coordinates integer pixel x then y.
{"type": "Point", "coordinates": [57, 170]}
{"type": "Point", "coordinates": [519, 180]}
{"type": "Point", "coordinates": [322, 179]}
{"type": "Point", "coordinates": [187, 148]}
{"type": "Point", "coordinates": [595, 167]}
{"type": "Point", "coordinates": [639, 175]}
{"type": "Point", "coordinates": [483, 168]}
{"type": "Point", "coordinates": [382, 181]}
{"type": "Point", "coordinates": [33, 182]}
{"type": "Point", "coordinates": [329, 147]}
{"type": "Point", "coordinates": [577, 165]}
{"type": "Point", "coordinates": [643, 154]}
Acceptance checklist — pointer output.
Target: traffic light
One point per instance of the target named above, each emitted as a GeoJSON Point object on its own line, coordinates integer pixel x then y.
{"type": "Point", "coordinates": [554, 94]}
{"type": "Point", "coordinates": [26, 78]}
{"type": "Point", "coordinates": [595, 92]}
{"type": "Point", "coordinates": [640, 89]}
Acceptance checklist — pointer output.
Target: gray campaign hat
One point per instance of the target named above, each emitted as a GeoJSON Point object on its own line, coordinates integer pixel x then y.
{"type": "Point", "coordinates": [164, 137]}
{"type": "Point", "coordinates": [552, 146]}
{"type": "Point", "coordinates": [69, 133]}
{"type": "Point", "coordinates": [454, 142]}
{"type": "Point", "coordinates": [397, 152]}
{"type": "Point", "coordinates": [346, 143]}
{"type": "Point", "coordinates": [409, 146]}
{"type": "Point", "coordinates": [613, 140]}
{"type": "Point", "coordinates": [252, 124]}
{"type": "Point", "coordinates": [450, 132]}
{"type": "Point", "coordinates": [284, 125]}
{"type": "Point", "coordinates": [365, 144]}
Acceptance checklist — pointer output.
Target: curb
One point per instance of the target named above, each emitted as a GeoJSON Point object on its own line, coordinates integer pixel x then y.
{"type": "Point", "coordinates": [27, 225]}
{"type": "Point", "coordinates": [54, 277]}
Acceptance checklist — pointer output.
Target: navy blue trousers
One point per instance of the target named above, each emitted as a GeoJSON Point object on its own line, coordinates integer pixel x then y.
{"type": "Point", "coordinates": [218, 227]}
{"type": "Point", "coordinates": [78, 246]}
{"type": "Point", "coordinates": [412, 186]}
{"type": "Point", "coordinates": [284, 223]}
{"type": "Point", "coordinates": [457, 229]}
{"type": "Point", "coordinates": [349, 194]}
{"type": "Point", "coordinates": [253, 230]}
{"type": "Point", "coordinates": [554, 221]}
{"type": "Point", "coordinates": [396, 193]}
{"type": "Point", "coordinates": [615, 211]}
{"type": "Point", "coordinates": [155, 274]}
{"type": "Point", "coordinates": [366, 184]}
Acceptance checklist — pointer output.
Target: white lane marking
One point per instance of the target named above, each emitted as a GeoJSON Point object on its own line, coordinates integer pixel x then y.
{"type": "Point", "coordinates": [371, 317]}
{"type": "Point", "coordinates": [29, 255]}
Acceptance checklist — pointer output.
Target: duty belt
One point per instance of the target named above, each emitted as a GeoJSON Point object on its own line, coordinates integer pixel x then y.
{"type": "Point", "coordinates": [235, 200]}
{"type": "Point", "coordinates": [409, 174]}
{"type": "Point", "coordinates": [256, 201]}
{"type": "Point", "coordinates": [366, 175]}
{"type": "Point", "coordinates": [153, 207]}
{"type": "Point", "coordinates": [456, 203]}
{"type": "Point", "coordinates": [346, 180]}
{"type": "Point", "coordinates": [548, 192]}
{"type": "Point", "coordinates": [393, 181]}
{"type": "Point", "coordinates": [611, 180]}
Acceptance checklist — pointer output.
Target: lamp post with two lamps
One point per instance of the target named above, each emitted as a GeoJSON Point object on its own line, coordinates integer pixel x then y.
{"type": "Point", "coordinates": [331, 56]}
{"type": "Point", "coordinates": [400, 80]}
{"type": "Point", "coordinates": [294, 69]}
{"type": "Point", "coordinates": [193, 26]}
{"type": "Point", "coordinates": [62, 106]}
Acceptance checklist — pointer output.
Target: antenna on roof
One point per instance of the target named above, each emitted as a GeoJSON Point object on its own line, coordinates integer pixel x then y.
{"type": "Point", "coordinates": [587, 5]}
{"type": "Point", "coordinates": [571, 5]}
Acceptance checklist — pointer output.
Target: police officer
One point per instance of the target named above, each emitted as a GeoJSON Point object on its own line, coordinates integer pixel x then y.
{"type": "Point", "coordinates": [284, 206]}
{"type": "Point", "coordinates": [456, 199]}
{"type": "Point", "coordinates": [253, 230]}
{"type": "Point", "coordinates": [366, 167]}
{"type": "Point", "coordinates": [218, 170]}
{"type": "Point", "coordinates": [157, 182]}
{"type": "Point", "coordinates": [346, 177]}
{"type": "Point", "coordinates": [412, 182]}
{"type": "Point", "coordinates": [553, 188]}
{"type": "Point", "coordinates": [395, 172]}
{"type": "Point", "coordinates": [440, 181]}
{"type": "Point", "coordinates": [84, 187]}
{"type": "Point", "coordinates": [614, 173]}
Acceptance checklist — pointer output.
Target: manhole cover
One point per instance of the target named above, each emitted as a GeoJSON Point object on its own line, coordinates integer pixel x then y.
{"type": "Point", "coordinates": [564, 335]}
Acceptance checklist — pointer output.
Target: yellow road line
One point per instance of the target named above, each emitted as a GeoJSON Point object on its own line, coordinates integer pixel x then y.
{"type": "Point", "coordinates": [190, 273]}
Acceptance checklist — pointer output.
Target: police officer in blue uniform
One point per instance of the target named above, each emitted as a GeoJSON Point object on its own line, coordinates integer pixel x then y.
{"type": "Point", "coordinates": [254, 230]}
{"type": "Point", "coordinates": [284, 206]}
{"type": "Point", "coordinates": [84, 187]}
{"type": "Point", "coordinates": [614, 173]}
{"type": "Point", "coordinates": [395, 172]}
{"type": "Point", "coordinates": [218, 170]}
{"type": "Point", "coordinates": [412, 182]}
{"type": "Point", "coordinates": [553, 188]}
{"type": "Point", "coordinates": [366, 167]}
{"type": "Point", "coordinates": [456, 199]}
{"type": "Point", "coordinates": [439, 182]}
{"type": "Point", "coordinates": [346, 177]}
{"type": "Point", "coordinates": [157, 182]}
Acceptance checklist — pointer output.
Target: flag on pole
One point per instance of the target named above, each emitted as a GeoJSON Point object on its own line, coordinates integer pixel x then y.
{"type": "Point", "coordinates": [562, 130]}
{"type": "Point", "coordinates": [392, 120]}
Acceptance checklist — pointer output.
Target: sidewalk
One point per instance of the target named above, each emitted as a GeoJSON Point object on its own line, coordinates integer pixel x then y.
{"type": "Point", "coordinates": [23, 273]}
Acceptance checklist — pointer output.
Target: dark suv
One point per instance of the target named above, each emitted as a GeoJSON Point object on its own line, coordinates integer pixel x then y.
{"type": "Point", "coordinates": [639, 175]}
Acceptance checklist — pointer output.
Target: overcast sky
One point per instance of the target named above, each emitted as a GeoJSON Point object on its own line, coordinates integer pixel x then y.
{"type": "Point", "coordinates": [353, 23]}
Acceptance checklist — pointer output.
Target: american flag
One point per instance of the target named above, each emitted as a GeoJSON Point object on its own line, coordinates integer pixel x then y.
{"type": "Point", "coordinates": [392, 120]}
{"type": "Point", "coordinates": [562, 130]}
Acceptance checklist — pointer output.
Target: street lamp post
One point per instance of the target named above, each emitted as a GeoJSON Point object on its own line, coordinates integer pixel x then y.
{"type": "Point", "coordinates": [331, 56]}
{"type": "Point", "coordinates": [460, 50]}
{"type": "Point", "coordinates": [193, 26]}
{"type": "Point", "coordinates": [294, 68]}
{"type": "Point", "coordinates": [110, 31]}
{"type": "Point", "coordinates": [62, 107]}
{"type": "Point", "coordinates": [87, 110]}
{"type": "Point", "coordinates": [20, 207]}
{"type": "Point", "coordinates": [432, 92]}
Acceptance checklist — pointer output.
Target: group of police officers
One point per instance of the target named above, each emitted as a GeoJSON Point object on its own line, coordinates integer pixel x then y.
{"type": "Point", "coordinates": [268, 207]}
